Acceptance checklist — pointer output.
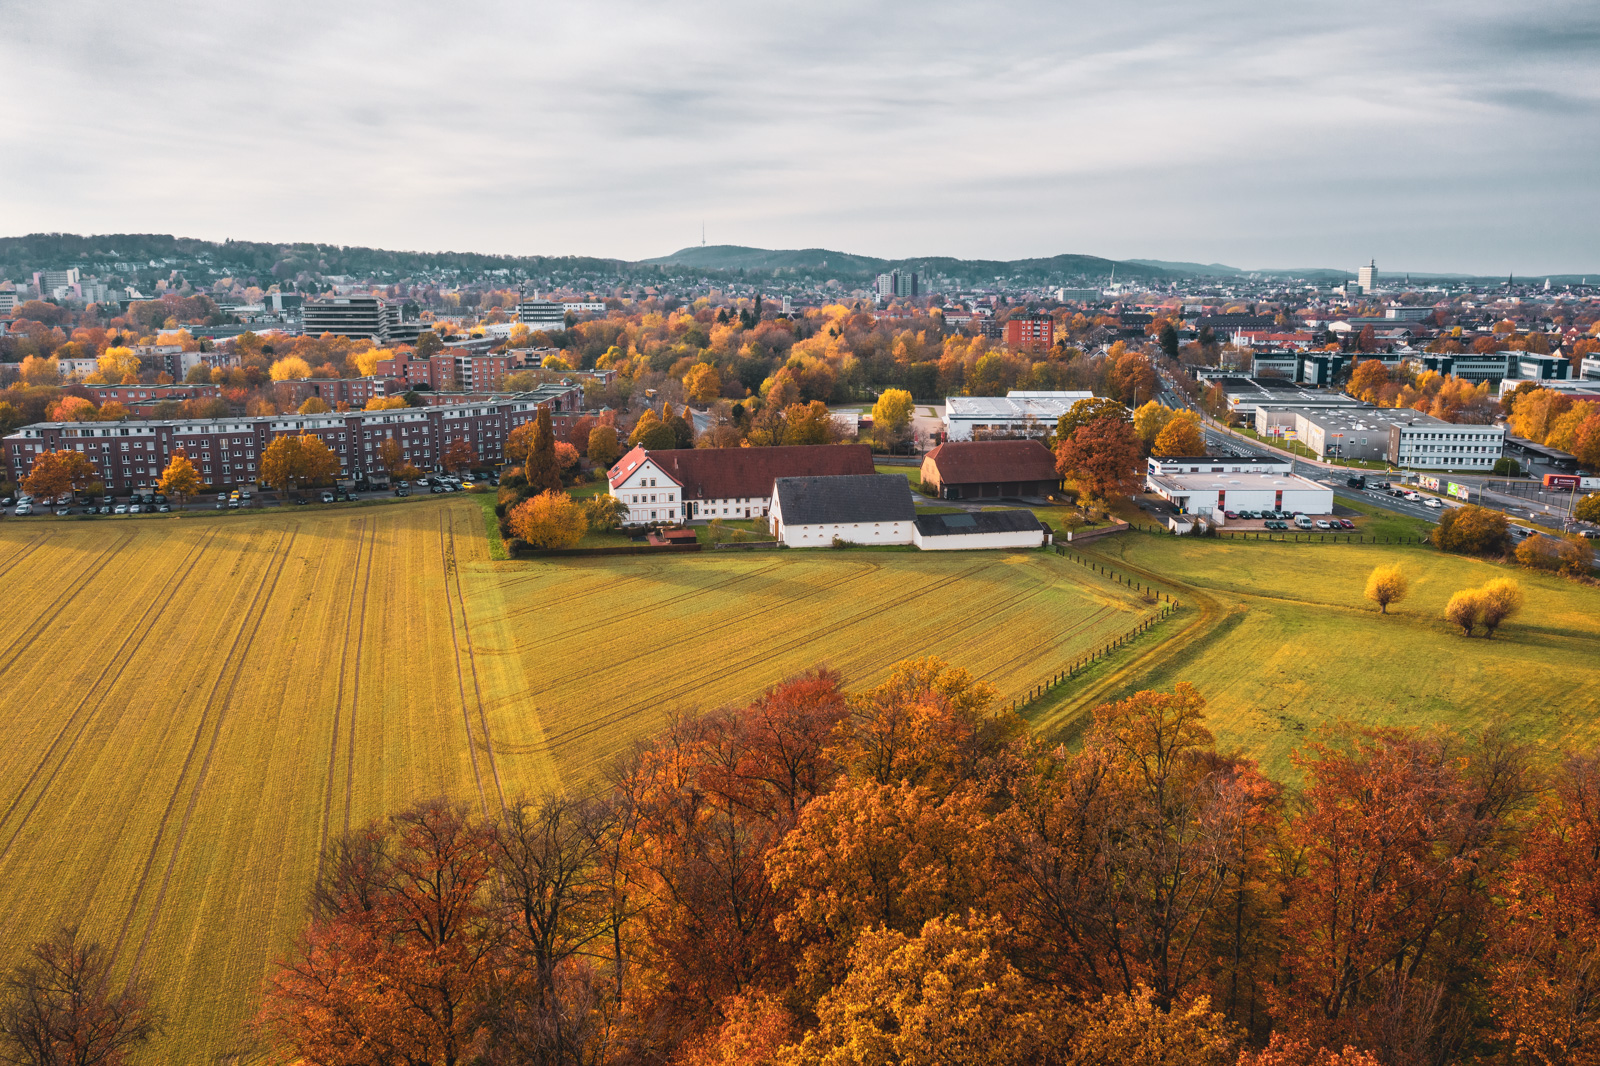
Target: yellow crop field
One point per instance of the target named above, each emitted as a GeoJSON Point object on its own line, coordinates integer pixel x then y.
{"type": "Point", "coordinates": [192, 706]}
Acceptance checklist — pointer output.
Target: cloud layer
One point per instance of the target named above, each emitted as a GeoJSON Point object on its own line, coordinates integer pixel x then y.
{"type": "Point", "coordinates": [1435, 137]}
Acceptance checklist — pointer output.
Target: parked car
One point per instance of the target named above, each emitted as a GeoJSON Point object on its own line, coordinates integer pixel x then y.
{"type": "Point", "coordinates": [1322, 524]}
{"type": "Point", "coordinates": [161, 498]}
{"type": "Point", "coordinates": [24, 509]}
{"type": "Point", "coordinates": [105, 508]}
{"type": "Point", "coordinates": [233, 505]}
{"type": "Point", "coordinates": [222, 495]}
{"type": "Point", "coordinates": [244, 495]}
{"type": "Point", "coordinates": [163, 508]}
{"type": "Point", "coordinates": [326, 497]}
{"type": "Point", "coordinates": [120, 508]}
{"type": "Point", "coordinates": [1345, 523]}
{"type": "Point", "coordinates": [421, 483]}
{"type": "Point", "coordinates": [402, 491]}
{"type": "Point", "coordinates": [1302, 521]}
{"type": "Point", "coordinates": [8, 502]}
{"type": "Point", "coordinates": [1589, 534]}
{"type": "Point", "coordinates": [435, 488]}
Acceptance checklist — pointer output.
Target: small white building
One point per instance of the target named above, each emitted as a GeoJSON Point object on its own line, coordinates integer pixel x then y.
{"type": "Point", "coordinates": [1015, 529]}
{"type": "Point", "coordinates": [811, 512]}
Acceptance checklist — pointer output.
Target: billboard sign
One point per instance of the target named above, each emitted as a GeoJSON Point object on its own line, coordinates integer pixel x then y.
{"type": "Point", "coordinates": [1428, 482]}
{"type": "Point", "coordinates": [1460, 492]}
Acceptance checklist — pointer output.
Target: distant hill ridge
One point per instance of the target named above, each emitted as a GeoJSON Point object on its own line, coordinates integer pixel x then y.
{"type": "Point", "coordinates": [733, 257]}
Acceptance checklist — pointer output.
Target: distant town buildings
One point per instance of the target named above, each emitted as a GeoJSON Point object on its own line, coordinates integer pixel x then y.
{"type": "Point", "coordinates": [1367, 278]}
{"type": "Point", "coordinates": [546, 315]}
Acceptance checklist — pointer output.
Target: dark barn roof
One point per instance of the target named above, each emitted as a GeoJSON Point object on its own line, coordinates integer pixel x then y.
{"type": "Point", "coordinates": [811, 501]}
{"type": "Point", "coordinates": [970, 522]}
{"type": "Point", "coordinates": [962, 462]}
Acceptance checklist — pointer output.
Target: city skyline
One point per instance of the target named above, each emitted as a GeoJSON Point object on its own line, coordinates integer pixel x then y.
{"type": "Point", "coordinates": [1459, 139]}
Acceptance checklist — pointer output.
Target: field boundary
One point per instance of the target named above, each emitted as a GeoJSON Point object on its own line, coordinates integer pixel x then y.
{"type": "Point", "coordinates": [1291, 537]}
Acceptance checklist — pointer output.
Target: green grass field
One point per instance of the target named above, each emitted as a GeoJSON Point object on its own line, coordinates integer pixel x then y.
{"type": "Point", "coordinates": [194, 705]}
{"type": "Point", "coordinates": [1281, 642]}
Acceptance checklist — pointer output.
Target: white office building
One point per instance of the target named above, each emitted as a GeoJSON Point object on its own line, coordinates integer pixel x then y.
{"type": "Point", "coordinates": [1009, 417]}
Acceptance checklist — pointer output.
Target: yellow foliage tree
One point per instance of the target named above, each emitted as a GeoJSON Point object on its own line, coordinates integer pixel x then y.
{"type": "Point", "coordinates": [946, 997]}
{"type": "Point", "coordinates": [1386, 585]}
{"type": "Point", "coordinates": [117, 363]}
{"type": "Point", "coordinates": [314, 405]}
{"type": "Point", "coordinates": [180, 479]}
{"type": "Point", "coordinates": [289, 463]}
{"type": "Point", "coordinates": [550, 520]}
{"type": "Point", "coordinates": [1133, 1030]}
{"type": "Point", "coordinates": [41, 370]}
{"type": "Point", "coordinates": [366, 362]}
{"type": "Point", "coordinates": [385, 403]}
{"type": "Point", "coordinates": [290, 368]}
{"type": "Point", "coordinates": [558, 363]}
{"type": "Point", "coordinates": [1180, 436]}
{"type": "Point", "coordinates": [1149, 420]}
{"type": "Point", "coordinates": [703, 383]}
{"type": "Point", "coordinates": [893, 410]}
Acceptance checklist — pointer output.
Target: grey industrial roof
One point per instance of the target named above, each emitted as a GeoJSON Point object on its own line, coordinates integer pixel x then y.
{"type": "Point", "coordinates": [957, 525]}
{"type": "Point", "coordinates": [810, 501]}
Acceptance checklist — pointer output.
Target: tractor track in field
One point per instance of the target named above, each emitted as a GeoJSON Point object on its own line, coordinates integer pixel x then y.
{"type": "Point", "coordinates": [350, 621]}
{"type": "Point", "coordinates": [355, 686]}
{"type": "Point", "coordinates": [26, 550]}
{"type": "Point", "coordinates": [37, 627]}
{"type": "Point", "coordinates": [233, 662]}
{"type": "Point", "coordinates": [448, 562]}
{"type": "Point", "coordinates": [772, 652]}
{"type": "Point", "coordinates": [472, 661]}
{"type": "Point", "coordinates": [667, 596]}
{"type": "Point", "coordinates": [814, 589]}
{"type": "Point", "coordinates": [98, 690]}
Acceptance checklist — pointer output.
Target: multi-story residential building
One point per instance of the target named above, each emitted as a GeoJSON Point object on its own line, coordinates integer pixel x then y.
{"type": "Point", "coordinates": [48, 283]}
{"type": "Point", "coordinates": [896, 283]}
{"type": "Point", "coordinates": [1367, 277]}
{"type": "Point", "coordinates": [1031, 333]}
{"type": "Point", "coordinates": [353, 392]}
{"type": "Point", "coordinates": [350, 316]}
{"type": "Point", "coordinates": [450, 369]}
{"type": "Point", "coordinates": [8, 302]}
{"type": "Point", "coordinates": [546, 315]}
{"type": "Point", "coordinates": [227, 451]}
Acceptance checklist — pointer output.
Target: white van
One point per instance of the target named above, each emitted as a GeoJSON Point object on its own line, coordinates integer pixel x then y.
{"type": "Point", "coordinates": [1302, 521]}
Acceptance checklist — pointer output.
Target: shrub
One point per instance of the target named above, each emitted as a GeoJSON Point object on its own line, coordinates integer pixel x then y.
{"type": "Point", "coordinates": [1498, 600]}
{"type": "Point", "coordinates": [1539, 553]}
{"type": "Point", "coordinates": [1472, 530]}
{"type": "Point", "coordinates": [550, 520]}
{"type": "Point", "coordinates": [1507, 468]}
{"type": "Point", "coordinates": [1588, 508]}
{"type": "Point", "coordinates": [1463, 610]}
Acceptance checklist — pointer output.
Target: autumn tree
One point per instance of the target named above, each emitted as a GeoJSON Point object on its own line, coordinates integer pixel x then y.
{"type": "Point", "coordinates": [392, 966]}
{"type": "Point", "coordinates": [290, 368]}
{"type": "Point", "coordinates": [1087, 411]}
{"type": "Point", "coordinates": [40, 370]}
{"type": "Point", "coordinates": [541, 467]}
{"type": "Point", "coordinates": [50, 475]}
{"type": "Point", "coordinates": [116, 364]}
{"type": "Point", "coordinates": [60, 1007]}
{"type": "Point", "coordinates": [1102, 457]}
{"type": "Point", "coordinates": [180, 480]}
{"type": "Point", "coordinates": [603, 447]}
{"type": "Point", "coordinates": [1542, 992]}
{"type": "Point", "coordinates": [550, 520]}
{"type": "Point", "coordinates": [1149, 420]}
{"type": "Point", "coordinates": [291, 462]}
{"type": "Point", "coordinates": [943, 996]}
{"type": "Point", "coordinates": [1180, 436]}
{"type": "Point", "coordinates": [1398, 843]}
{"type": "Point", "coordinates": [390, 455]}
{"type": "Point", "coordinates": [518, 443]}
{"type": "Point", "coordinates": [1386, 585]}
{"type": "Point", "coordinates": [314, 405]}
{"type": "Point", "coordinates": [892, 412]}
{"type": "Point", "coordinates": [1136, 1029]}
{"type": "Point", "coordinates": [702, 383]}
{"type": "Point", "coordinates": [604, 512]}
{"type": "Point", "coordinates": [1498, 601]}
{"type": "Point", "coordinates": [1472, 530]}
{"type": "Point", "coordinates": [385, 403]}
{"type": "Point", "coordinates": [459, 455]}
{"type": "Point", "coordinates": [1464, 609]}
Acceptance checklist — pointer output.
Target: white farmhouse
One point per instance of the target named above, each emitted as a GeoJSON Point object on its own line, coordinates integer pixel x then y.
{"type": "Point", "coordinates": [652, 494]}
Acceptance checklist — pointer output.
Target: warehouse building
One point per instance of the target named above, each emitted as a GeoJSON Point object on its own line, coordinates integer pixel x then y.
{"type": "Point", "coordinates": [1202, 486]}
{"type": "Point", "coordinates": [1015, 416]}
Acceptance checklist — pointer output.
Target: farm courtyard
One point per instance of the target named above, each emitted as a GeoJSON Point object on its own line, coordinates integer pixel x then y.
{"type": "Point", "coordinates": [194, 706]}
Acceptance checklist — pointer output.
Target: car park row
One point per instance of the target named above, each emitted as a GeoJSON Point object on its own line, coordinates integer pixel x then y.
{"type": "Point", "coordinates": [23, 505]}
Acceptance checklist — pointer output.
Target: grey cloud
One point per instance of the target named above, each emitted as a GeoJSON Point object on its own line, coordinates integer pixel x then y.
{"type": "Point", "coordinates": [1251, 132]}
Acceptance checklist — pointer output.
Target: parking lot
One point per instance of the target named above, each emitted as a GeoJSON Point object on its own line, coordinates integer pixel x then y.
{"type": "Point", "coordinates": [151, 502]}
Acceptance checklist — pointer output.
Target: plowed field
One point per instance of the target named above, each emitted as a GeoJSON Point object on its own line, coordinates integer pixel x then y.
{"type": "Point", "coordinates": [192, 707]}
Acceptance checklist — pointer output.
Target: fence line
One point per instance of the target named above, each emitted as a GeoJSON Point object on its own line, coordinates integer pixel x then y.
{"type": "Point", "coordinates": [1295, 537]}
{"type": "Point", "coordinates": [1082, 663]}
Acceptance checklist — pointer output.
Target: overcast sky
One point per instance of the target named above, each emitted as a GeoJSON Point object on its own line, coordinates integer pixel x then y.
{"type": "Point", "coordinates": [1460, 136]}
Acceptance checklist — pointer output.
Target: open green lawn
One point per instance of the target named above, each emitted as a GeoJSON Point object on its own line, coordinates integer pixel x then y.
{"type": "Point", "coordinates": [1281, 642]}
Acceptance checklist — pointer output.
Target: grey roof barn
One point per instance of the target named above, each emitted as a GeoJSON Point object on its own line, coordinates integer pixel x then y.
{"type": "Point", "coordinates": [812, 501]}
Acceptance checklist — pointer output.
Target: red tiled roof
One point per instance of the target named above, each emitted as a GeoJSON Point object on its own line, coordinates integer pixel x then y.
{"type": "Point", "coordinates": [723, 473]}
{"type": "Point", "coordinates": [962, 462]}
